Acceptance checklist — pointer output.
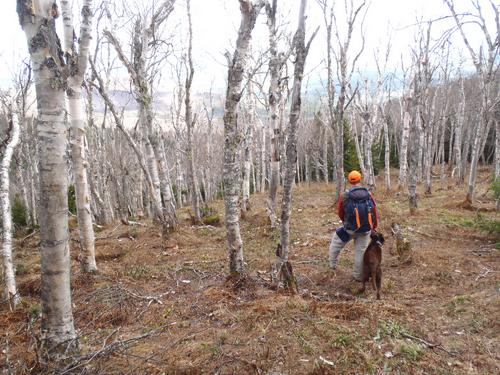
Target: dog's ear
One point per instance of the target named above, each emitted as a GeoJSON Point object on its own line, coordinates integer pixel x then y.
{"type": "Point", "coordinates": [381, 238]}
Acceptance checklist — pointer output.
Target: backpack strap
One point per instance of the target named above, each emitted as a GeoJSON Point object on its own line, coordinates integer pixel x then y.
{"type": "Point", "coordinates": [358, 220]}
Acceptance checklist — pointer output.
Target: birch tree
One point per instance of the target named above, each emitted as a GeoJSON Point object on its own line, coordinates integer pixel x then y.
{"type": "Point", "coordinates": [101, 87]}
{"type": "Point", "coordinates": [301, 50]}
{"type": "Point", "coordinates": [232, 137]}
{"type": "Point", "coordinates": [77, 61]}
{"type": "Point", "coordinates": [191, 120]}
{"type": "Point", "coordinates": [247, 147]}
{"type": "Point", "coordinates": [345, 68]}
{"type": "Point", "coordinates": [487, 67]}
{"type": "Point", "coordinates": [140, 69]}
{"type": "Point", "coordinates": [7, 150]}
{"type": "Point", "coordinates": [275, 64]}
{"type": "Point", "coordinates": [405, 136]}
{"type": "Point", "coordinates": [38, 22]}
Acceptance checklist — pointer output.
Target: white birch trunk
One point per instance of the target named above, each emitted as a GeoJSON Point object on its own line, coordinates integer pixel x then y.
{"type": "Point", "coordinates": [166, 190]}
{"type": "Point", "coordinates": [387, 157]}
{"type": "Point", "coordinates": [262, 160]}
{"type": "Point", "coordinates": [357, 146]}
{"type": "Point", "coordinates": [324, 155]}
{"type": "Point", "coordinates": [249, 13]}
{"type": "Point", "coordinates": [78, 61]}
{"type": "Point", "coordinates": [10, 291]}
{"type": "Point", "coordinates": [403, 154]}
{"type": "Point", "coordinates": [190, 123]}
{"type": "Point", "coordinates": [413, 165]}
{"type": "Point", "coordinates": [274, 117]}
{"type": "Point", "coordinates": [284, 266]}
{"type": "Point", "coordinates": [57, 317]}
{"type": "Point", "coordinates": [247, 149]}
{"type": "Point", "coordinates": [367, 145]}
{"type": "Point", "coordinates": [497, 147]}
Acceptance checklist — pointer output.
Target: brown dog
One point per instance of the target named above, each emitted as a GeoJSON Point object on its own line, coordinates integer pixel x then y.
{"type": "Point", "coordinates": [371, 262]}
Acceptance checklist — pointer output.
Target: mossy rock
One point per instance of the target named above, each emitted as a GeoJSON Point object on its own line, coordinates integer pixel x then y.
{"type": "Point", "coordinates": [404, 251]}
{"type": "Point", "coordinates": [213, 220]}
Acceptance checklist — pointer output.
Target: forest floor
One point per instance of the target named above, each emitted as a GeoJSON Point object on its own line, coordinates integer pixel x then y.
{"type": "Point", "coordinates": [165, 305]}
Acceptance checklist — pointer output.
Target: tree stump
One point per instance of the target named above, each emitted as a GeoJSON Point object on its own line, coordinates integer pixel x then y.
{"type": "Point", "coordinates": [403, 245]}
{"type": "Point", "coordinates": [284, 273]}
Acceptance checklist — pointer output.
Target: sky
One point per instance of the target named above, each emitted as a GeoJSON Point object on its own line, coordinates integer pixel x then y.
{"type": "Point", "coordinates": [215, 24]}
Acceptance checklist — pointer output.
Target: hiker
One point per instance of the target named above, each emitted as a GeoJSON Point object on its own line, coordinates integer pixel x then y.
{"type": "Point", "coordinates": [358, 212]}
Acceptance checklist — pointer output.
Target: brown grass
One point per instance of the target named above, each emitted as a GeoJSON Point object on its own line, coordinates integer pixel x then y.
{"type": "Point", "coordinates": [179, 285]}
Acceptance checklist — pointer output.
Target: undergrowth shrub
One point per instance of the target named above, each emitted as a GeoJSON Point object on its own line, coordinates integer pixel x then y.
{"type": "Point", "coordinates": [19, 213]}
{"type": "Point", "coordinates": [72, 199]}
{"type": "Point", "coordinates": [495, 186]}
{"type": "Point", "coordinates": [209, 216]}
{"type": "Point", "coordinates": [491, 226]}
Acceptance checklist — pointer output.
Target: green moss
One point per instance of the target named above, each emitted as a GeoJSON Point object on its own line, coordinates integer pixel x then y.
{"type": "Point", "coordinates": [412, 352]}
{"type": "Point", "coordinates": [458, 303]}
{"type": "Point", "coordinates": [138, 272]}
{"type": "Point", "coordinates": [480, 221]}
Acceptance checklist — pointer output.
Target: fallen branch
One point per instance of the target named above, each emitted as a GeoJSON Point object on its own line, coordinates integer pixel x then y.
{"type": "Point", "coordinates": [331, 297]}
{"type": "Point", "coordinates": [427, 235]}
{"type": "Point", "coordinates": [484, 250]}
{"type": "Point", "coordinates": [485, 273]}
{"type": "Point", "coordinates": [326, 361]}
{"type": "Point", "coordinates": [426, 343]}
{"type": "Point", "coordinates": [108, 236]}
{"type": "Point", "coordinates": [132, 223]}
{"type": "Point", "coordinates": [108, 349]}
{"type": "Point", "coordinates": [29, 235]}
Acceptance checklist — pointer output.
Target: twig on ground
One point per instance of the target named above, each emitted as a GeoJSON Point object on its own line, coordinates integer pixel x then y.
{"type": "Point", "coordinates": [29, 235]}
{"type": "Point", "coordinates": [484, 250]}
{"type": "Point", "coordinates": [412, 230]}
{"type": "Point", "coordinates": [312, 261]}
{"type": "Point", "coordinates": [131, 223]}
{"type": "Point", "coordinates": [108, 349]}
{"type": "Point", "coordinates": [326, 361]}
{"type": "Point", "coordinates": [203, 226]}
{"type": "Point", "coordinates": [426, 343]}
{"type": "Point", "coordinates": [485, 272]}
{"type": "Point", "coordinates": [330, 297]}
{"type": "Point", "coordinates": [110, 235]}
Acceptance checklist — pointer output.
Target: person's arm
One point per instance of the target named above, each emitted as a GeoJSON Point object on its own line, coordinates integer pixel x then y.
{"type": "Point", "coordinates": [340, 207]}
{"type": "Point", "coordinates": [375, 214]}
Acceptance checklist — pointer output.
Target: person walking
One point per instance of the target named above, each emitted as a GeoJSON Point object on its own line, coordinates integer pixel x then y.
{"type": "Point", "coordinates": [358, 211]}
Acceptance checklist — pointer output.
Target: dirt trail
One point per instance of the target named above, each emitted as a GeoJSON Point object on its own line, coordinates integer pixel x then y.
{"type": "Point", "coordinates": [438, 315]}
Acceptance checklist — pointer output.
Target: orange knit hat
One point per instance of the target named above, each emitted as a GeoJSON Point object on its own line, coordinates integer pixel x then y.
{"type": "Point", "coordinates": [354, 177]}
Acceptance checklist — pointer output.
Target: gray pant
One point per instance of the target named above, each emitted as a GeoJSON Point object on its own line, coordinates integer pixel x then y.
{"type": "Point", "coordinates": [361, 241]}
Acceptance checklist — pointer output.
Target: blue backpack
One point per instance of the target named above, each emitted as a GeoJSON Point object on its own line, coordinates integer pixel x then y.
{"type": "Point", "coordinates": [358, 210]}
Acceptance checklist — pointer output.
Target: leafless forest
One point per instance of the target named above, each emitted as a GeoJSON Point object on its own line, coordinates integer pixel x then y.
{"type": "Point", "coordinates": [148, 226]}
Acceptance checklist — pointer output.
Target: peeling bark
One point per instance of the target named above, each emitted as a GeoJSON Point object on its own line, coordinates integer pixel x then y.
{"type": "Point", "coordinates": [46, 55]}
{"type": "Point", "coordinates": [301, 50]}
{"type": "Point", "coordinates": [13, 136]}
{"type": "Point", "coordinates": [77, 63]}
{"type": "Point", "coordinates": [232, 135]}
